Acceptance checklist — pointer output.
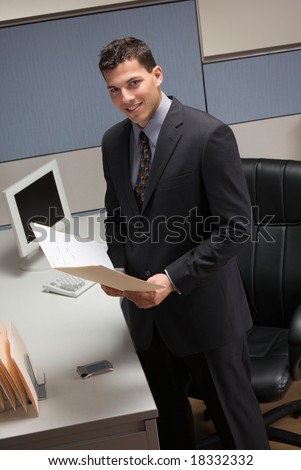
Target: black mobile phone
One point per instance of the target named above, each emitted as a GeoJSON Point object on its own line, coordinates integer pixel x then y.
{"type": "Point", "coordinates": [95, 368]}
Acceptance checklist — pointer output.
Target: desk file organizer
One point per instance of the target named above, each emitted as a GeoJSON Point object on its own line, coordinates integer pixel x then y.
{"type": "Point", "coordinates": [18, 381]}
{"type": "Point", "coordinates": [39, 388]}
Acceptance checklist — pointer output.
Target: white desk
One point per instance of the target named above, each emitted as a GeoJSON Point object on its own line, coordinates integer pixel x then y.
{"type": "Point", "coordinates": [110, 411]}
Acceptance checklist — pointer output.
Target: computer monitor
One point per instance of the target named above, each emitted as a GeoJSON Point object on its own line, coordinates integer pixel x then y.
{"type": "Point", "coordinates": [38, 197]}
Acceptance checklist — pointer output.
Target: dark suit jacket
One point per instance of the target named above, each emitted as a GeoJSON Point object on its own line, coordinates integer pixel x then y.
{"type": "Point", "coordinates": [194, 221]}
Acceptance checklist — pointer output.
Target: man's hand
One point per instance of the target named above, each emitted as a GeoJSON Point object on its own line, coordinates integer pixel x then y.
{"type": "Point", "coordinates": [145, 299]}
{"type": "Point", "coordinates": [112, 292]}
{"type": "Point", "coordinates": [151, 299]}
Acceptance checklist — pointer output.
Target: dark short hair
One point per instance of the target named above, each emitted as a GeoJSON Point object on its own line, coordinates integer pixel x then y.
{"type": "Point", "coordinates": [123, 49]}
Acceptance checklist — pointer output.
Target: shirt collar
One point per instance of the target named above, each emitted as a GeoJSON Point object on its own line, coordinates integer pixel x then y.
{"type": "Point", "coordinates": [153, 127]}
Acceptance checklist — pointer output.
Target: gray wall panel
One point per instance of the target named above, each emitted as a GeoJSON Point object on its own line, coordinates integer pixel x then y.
{"type": "Point", "coordinates": [53, 98]}
{"type": "Point", "coordinates": [254, 88]}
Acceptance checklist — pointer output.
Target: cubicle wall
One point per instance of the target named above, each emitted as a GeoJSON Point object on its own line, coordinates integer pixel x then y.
{"type": "Point", "coordinates": [54, 102]}
{"type": "Point", "coordinates": [251, 58]}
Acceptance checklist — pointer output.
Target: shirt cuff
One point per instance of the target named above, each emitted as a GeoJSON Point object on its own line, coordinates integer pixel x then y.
{"type": "Point", "coordinates": [120, 270]}
{"type": "Point", "coordinates": [170, 280]}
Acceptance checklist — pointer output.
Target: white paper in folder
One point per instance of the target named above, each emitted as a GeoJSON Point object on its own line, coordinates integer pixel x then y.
{"type": "Point", "coordinates": [85, 258]}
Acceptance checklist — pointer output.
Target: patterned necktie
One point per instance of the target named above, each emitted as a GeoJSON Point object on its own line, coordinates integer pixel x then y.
{"type": "Point", "coordinates": [144, 168]}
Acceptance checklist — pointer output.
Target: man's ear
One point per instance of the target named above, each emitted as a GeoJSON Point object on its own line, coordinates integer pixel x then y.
{"type": "Point", "coordinates": [158, 73]}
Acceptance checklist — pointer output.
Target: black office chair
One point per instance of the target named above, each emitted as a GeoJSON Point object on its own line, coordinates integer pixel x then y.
{"type": "Point", "coordinates": [271, 271]}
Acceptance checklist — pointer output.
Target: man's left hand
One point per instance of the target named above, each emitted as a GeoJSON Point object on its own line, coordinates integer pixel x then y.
{"type": "Point", "coordinates": [153, 298]}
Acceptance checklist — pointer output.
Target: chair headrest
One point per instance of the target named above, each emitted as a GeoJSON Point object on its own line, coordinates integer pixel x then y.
{"type": "Point", "coordinates": [275, 187]}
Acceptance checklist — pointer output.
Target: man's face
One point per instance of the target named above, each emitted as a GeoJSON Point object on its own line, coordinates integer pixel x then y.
{"type": "Point", "coordinates": [135, 91]}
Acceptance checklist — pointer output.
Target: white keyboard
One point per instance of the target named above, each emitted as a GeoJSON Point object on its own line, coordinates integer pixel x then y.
{"type": "Point", "coordinates": [67, 284]}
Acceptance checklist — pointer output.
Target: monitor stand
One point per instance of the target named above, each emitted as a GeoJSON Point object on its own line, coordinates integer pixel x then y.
{"type": "Point", "coordinates": [36, 262]}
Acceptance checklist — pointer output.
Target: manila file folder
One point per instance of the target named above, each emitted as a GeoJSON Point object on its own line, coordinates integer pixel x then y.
{"type": "Point", "coordinates": [17, 376]}
{"type": "Point", "coordinates": [85, 258]}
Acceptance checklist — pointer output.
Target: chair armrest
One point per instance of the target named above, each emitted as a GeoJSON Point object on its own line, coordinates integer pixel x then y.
{"type": "Point", "coordinates": [294, 341]}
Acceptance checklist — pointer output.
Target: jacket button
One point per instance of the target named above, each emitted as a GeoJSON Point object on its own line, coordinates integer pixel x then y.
{"type": "Point", "coordinates": [148, 273]}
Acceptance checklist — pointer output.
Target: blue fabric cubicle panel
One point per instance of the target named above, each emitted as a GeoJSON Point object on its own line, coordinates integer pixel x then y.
{"type": "Point", "coordinates": [53, 98]}
{"type": "Point", "coordinates": [254, 88]}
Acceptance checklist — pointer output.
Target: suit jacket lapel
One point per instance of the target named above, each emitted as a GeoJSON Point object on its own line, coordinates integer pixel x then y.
{"type": "Point", "coordinates": [121, 167]}
{"type": "Point", "coordinates": [169, 137]}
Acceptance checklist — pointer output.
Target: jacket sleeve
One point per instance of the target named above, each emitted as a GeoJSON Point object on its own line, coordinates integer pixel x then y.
{"type": "Point", "coordinates": [115, 230]}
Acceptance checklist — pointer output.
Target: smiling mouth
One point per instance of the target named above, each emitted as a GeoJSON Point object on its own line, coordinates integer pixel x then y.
{"type": "Point", "coordinates": [133, 108]}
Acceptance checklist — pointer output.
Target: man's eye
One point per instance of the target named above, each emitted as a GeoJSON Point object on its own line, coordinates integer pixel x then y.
{"type": "Point", "coordinates": [134, 83]}
{"type": "Point", "coordinates": [113, 90]}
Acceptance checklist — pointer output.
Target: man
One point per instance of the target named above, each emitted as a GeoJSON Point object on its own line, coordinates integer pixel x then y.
{"type": "Point", "coordinates": [180, 225]}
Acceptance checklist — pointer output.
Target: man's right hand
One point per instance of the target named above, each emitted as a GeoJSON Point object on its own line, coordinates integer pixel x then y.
{"type": "Point", "coordinates": [112, 292]}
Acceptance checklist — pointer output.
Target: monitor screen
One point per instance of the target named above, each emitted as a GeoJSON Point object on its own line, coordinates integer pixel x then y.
{"type": "Point", "coordinates": [38, 197]}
